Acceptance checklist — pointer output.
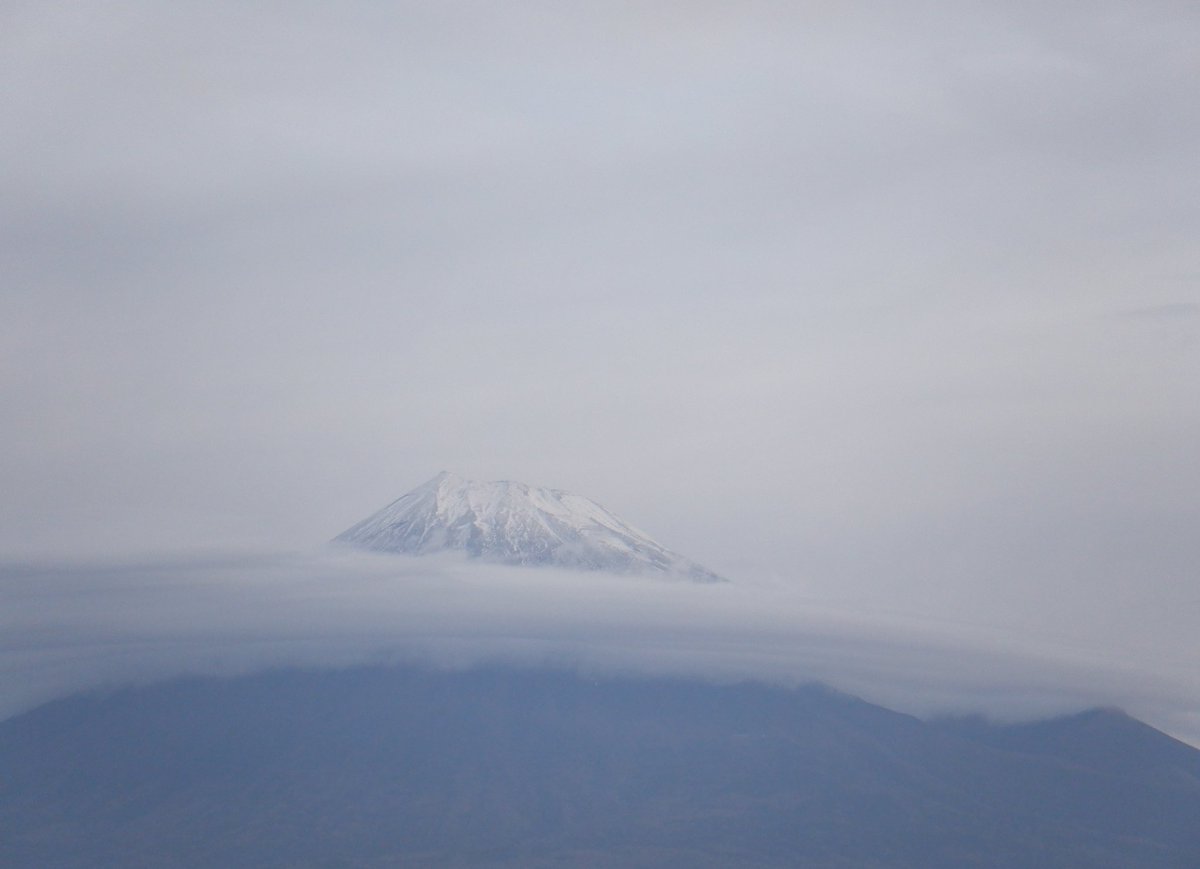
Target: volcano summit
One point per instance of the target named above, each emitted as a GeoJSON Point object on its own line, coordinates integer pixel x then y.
{"type": "Point", "coordinates": [512, 523]}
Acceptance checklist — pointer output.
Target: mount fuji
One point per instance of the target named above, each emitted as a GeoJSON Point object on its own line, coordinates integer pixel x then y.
{"type": "Point", "coordinates": [512, 523]}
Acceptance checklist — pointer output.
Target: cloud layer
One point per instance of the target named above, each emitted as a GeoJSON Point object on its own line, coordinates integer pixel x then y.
{"type": "Point", "coordinates": [69, 628]}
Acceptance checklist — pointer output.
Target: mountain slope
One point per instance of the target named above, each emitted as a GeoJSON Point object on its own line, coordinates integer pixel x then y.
{"type": "Point", "coordinates": [513, 523]}
{"type": "Point", "coordinates": [382, 767]}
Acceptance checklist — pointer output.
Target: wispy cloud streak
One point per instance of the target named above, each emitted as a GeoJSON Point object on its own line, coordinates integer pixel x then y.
{"type": "Point", "coordinates": [70, 628]}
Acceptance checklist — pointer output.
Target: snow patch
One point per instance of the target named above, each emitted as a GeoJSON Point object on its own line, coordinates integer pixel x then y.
{"type": "Point", "coordinates": [513, 523]}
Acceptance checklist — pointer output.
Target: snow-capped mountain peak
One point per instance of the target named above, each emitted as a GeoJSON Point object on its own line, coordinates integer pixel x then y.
{"type": "Point", "coordinates": [514, 523]}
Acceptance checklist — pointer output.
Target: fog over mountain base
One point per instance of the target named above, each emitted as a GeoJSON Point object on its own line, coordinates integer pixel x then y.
{"type": "Point", "coordinates": [82, 626]}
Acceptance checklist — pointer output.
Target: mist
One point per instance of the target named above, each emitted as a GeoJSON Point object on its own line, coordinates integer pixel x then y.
{"type": "Point", "coordinates": [68, 628]}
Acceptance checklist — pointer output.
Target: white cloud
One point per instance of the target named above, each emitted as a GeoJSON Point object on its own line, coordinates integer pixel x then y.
{"type": "Point", "coordinates": [68, 628]}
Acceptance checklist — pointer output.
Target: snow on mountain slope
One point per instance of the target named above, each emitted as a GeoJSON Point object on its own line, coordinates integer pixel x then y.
{"type": "Point", "coordinates": [512, 523]}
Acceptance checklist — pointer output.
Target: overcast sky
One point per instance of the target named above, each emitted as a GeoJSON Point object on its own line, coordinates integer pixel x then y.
{"type": "Point", "coordinates": [895, 305]}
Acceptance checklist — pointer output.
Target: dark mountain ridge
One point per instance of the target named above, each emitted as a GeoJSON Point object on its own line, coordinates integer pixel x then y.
{"type": "Point", "coordinates": [380, 767]}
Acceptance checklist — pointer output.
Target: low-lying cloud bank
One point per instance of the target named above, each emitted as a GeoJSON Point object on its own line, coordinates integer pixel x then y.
{"type": "Point", "coordinates": [82, 626]}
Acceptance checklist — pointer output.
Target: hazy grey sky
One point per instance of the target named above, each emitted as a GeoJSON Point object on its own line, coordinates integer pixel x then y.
{"type": "Point", "coordinates": [894, 304]}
